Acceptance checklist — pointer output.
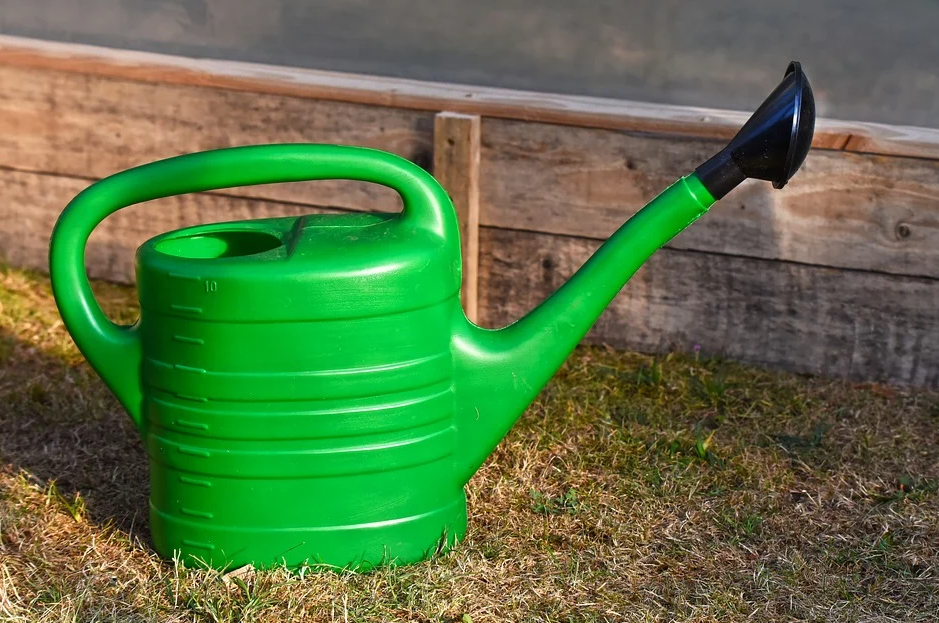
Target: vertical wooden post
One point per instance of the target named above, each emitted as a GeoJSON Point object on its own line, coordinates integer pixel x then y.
{"type": "Point", "coordinates": [456, 167]}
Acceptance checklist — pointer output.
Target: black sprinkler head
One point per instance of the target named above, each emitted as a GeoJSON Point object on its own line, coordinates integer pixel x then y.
{"type": "Point", "coordinates": [772, 144]}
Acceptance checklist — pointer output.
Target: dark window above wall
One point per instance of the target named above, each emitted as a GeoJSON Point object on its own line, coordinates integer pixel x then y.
{"type": "Point", "coordinates": [869, 60]}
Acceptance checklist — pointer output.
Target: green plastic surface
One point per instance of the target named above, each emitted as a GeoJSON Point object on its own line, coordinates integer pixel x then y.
{"type": "Point", "coordinates": [308, 389]}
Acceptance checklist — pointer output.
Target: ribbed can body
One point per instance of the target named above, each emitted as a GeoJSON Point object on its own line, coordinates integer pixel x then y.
{"type": "Point", "coordinates": [309, 439]}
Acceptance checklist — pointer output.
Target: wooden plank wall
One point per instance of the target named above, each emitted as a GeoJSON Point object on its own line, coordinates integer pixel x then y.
{"type": "Point", "coordinates": [835, 275]}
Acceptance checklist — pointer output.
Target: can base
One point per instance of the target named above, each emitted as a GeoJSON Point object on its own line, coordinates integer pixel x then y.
{"type": "Point", "coordinates": [360, 547]}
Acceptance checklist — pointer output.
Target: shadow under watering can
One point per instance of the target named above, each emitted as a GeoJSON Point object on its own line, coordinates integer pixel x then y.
{"type": "Point", "coordinates": [308, 389]}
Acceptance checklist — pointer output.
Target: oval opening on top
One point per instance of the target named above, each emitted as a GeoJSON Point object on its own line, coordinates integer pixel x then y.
{"type": "Point", "coordinates": [219, 244]}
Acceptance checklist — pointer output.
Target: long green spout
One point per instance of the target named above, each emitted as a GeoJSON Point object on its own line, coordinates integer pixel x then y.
{"type": "Point", "coordinates": [500, 372]}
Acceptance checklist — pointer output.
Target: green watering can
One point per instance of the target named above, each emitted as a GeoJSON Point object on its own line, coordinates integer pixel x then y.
{"type": "Point", "coordinates": [308, 389]}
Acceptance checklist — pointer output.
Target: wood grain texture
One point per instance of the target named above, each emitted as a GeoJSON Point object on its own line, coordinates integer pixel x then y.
{"type": "Point", "coordinates": [456, 167]}
{"type": "Point", "coordinates": [32, 202]}
{"type": "Point", "coordinates": [91, 126]}
{"type": "Point", "coordinates": [559, 109]}
{"type": "Point", "coordinates": [854, 325]}
{"type": "Point", "coordinates": [841, 210]}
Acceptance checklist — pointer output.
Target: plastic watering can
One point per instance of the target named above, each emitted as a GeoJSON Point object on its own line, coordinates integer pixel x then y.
{"type": "Point", "coordinates": [308, 389]}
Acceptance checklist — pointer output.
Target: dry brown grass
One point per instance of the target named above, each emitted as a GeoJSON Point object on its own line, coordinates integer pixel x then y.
{"type": "Point", "coordinates": [635, 489]}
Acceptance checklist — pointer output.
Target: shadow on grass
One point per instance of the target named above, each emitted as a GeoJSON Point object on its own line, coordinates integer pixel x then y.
{"type": "Point", "coordinates": [59, 423]}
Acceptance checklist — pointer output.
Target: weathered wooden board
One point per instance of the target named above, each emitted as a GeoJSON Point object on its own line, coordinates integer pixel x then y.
{"type": "Point", "coordinates": [848, 324]}
{"type": "Point", "coordinates": [90, 126]}
{"type": "Point", "coordinates": [30, 203]}
{"type": "Point", "coordinates": [581, 111]}
{"type": "Point", "coordinates": [456, 167]}
{"type": "Point", "coordinates": [841, 210]}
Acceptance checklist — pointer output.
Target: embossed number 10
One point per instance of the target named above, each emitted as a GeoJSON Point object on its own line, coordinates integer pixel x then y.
{"type": "Point", "coordinates": [211, 286]}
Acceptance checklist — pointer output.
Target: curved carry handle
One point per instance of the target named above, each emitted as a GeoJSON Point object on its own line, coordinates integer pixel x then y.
{"type": "Point", "coordinates": [115, 351]}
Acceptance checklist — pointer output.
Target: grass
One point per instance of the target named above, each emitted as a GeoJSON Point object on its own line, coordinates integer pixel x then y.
{"type": "Point", "coordinates": [636, 488]}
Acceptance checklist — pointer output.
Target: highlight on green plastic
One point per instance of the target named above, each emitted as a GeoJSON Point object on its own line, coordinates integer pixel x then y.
{"type": "Point", "coordinates": [308, 389]}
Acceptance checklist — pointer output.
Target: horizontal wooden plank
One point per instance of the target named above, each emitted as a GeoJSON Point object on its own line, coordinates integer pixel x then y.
{"type": "Point", "coordinates": [854, 325]}
{"type": "Point", "coordinates": [32, 202]}
{"type": "Point", "coordinates": [431, 96]}
{"type": "Point", "coordinates": [844, 210]}
{"type": "Point", "coordinates": [841, 210]}
{"type": "Point", "coordinates": [91, 126]}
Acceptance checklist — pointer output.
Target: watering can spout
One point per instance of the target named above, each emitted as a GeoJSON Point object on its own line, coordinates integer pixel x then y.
{"type": "Point", "coordinates": [500, 372]}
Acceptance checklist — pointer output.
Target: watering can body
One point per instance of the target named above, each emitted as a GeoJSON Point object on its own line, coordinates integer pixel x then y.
{"type": "Point", "coordinates": [297, 401]}
{"type": "Point", "coordinates": [308, 389]}
{"type": "Point", "coordinates": [291, 378]}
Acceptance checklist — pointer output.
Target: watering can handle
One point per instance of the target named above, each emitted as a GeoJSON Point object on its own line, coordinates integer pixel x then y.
{"type": "Point", "coordinates": [114, 351]}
